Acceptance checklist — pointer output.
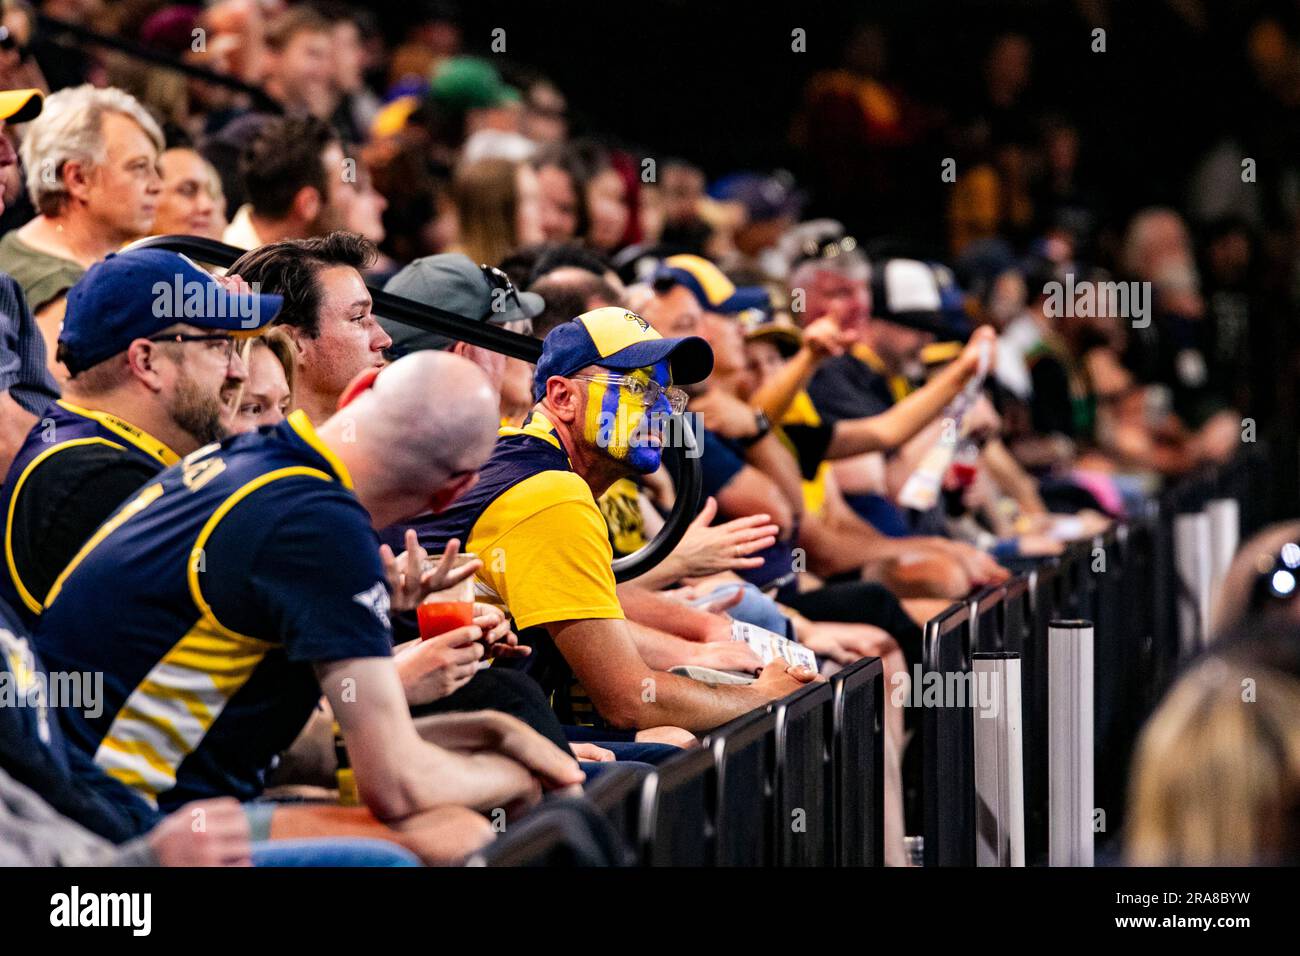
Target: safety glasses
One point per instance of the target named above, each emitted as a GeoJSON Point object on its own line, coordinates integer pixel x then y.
{"type": "Point", "coordinates": [646, 392]}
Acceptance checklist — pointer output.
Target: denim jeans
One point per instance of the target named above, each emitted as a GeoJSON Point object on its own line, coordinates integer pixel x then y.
{"type": "Point", "coordinates": [332, 851]}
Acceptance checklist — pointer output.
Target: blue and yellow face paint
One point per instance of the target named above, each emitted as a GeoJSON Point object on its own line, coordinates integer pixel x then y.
{"type": "Point", "coordinates": [619, 421]}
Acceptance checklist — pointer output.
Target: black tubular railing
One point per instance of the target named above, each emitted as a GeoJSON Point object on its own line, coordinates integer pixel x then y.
{"type": "Point", "coordinates": [1125, 582]}
{"type": "Point", "coordinates": [799, 782]}
{"type": "Point", "coordinates": [56, 30]}
{"type": "Point", "coordinates": [683, 462]}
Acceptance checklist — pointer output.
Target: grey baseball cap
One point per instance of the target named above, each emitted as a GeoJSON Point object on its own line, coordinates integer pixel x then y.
{"type": "Point", "coordinates": [453, 282]}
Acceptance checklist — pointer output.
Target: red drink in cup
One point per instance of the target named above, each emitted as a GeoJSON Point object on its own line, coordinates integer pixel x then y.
{"type": "Point", "coordinates": [439, 617]}
{"type": "Point", "coordinates": [450, 608]}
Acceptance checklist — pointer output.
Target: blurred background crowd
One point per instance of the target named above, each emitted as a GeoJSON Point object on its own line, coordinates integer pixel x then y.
{"type": "Point", "coordinates": [1021, 139]}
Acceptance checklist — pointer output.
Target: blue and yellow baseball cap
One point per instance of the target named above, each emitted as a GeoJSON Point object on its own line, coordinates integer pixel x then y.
{"type": "Point", "coordinates": [619, 340]}
{"type": "Point", "coordinates": [19, 106]}
{"type": "Point", "coordinates": [711, 288]}
{"type": "Point", "coordinates": [137, 293]}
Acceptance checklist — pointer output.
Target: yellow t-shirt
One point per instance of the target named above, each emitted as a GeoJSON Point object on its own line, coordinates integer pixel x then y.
{"type": "Point", "coordinates": [536, 527]}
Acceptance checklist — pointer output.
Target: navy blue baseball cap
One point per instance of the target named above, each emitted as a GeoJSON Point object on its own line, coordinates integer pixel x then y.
{"type": "Point", "coordinates": [618, 340]}
{"type": "Point", "coordinates": [137, 293]}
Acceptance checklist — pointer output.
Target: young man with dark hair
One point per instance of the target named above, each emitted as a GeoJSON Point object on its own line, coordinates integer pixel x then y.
{"type": "Point", "coordinates": [292, 171]}
{"type": "Point", "coordinates": [300, 61]}
{"type": "Point", "coordinates": [327, 312]}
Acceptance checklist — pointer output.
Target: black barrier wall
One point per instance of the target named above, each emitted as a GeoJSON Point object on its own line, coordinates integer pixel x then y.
{"type": "Point", "coordinates": [800, 783]}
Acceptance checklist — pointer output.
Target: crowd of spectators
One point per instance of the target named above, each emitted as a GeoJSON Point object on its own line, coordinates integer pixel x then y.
{"type": "Point", "coordinates": [228, 493]}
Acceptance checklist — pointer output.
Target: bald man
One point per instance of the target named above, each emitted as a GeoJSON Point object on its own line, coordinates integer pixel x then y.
{"type": "Point", "coordinates": [245, 582]}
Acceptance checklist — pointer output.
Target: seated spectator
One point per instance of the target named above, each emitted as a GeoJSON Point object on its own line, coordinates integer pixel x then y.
{"type": "Point", "coordinates": [92, 173]}
{"type": "Point", "coordinates": [293, 173]}
{"type": "Point", "coordinates": [570, 291]}
{"type": "Point", "coordinates": [353, 104]}
{"type": "Point", "coordinates": [228, 659]}
{"type": "Point", "coordinates": [1216, 771]}
{"type": "Point", "coordinates": [144, 390]}
{"type": "Point", "coordinates": [69, 811]}
{"type": "Point", "coordinates": [365, 211]}
{"type": "Point", "coordinates": [191, 202]}
{"type": "Point", "coordinates": [299, 62]}
{"type": "Point", "coordinates": [454, 283]}
{"type": "Point", "coordinates": [557, 182]}
{"type": "Point", "coordinates": [327, 312]}
{"type": "Point", "coordinates": [28, 387]}
{"type": "Point", "coordinates": [498, 209]}
{"type": "Point", "coordinates": [18, 68]}
{"type": "Point", "coordinates": [537, 494]}
{"type": "Point", "coordinates": [266, 395]}
{"type": "Point", "coordinates": [602, 196]}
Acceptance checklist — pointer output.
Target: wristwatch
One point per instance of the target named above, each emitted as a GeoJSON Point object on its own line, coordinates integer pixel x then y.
{"type": "Point", "coordinates": [762, 424]}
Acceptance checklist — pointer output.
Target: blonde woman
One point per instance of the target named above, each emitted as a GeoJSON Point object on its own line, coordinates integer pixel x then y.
{"type": "Point", "coordinates": [498, 209]}
{"type": "Point", "coordinates": [267, 394]}
{"type": "Point", "coordinates": [1216, 774]}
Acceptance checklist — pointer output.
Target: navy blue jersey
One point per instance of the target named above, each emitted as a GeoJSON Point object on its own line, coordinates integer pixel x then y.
{"type": "Point", "coordinates": [34, 752]}
{"type": "Point", "coordinates": [205, 600]}
{"type": "Point", "coordinates": [63, 428]}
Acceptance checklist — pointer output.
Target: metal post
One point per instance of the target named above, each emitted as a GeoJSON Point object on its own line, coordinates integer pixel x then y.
{"type": "Point", "coordinates": [1225, 528]}
{"type": "Point", "coordinates": [999, 764]}
{"type": "Point", "coordinates": [1192, 565]}
{"type": "Point", "coordinates": [1069, 729]}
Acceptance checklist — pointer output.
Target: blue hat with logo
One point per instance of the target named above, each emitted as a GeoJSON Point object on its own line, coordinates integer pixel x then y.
{"type": "Point", "coordinates": [138, 293]}
{"type": "Point", "coordinates": [619, 340]}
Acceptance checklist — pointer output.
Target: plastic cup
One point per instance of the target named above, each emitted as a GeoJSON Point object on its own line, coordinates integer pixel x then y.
{"type": "Point", "coordinates": [450, 608]}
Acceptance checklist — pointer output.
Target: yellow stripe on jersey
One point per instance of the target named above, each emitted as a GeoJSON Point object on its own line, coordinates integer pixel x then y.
{"type": "Point", "coordinates": [168, 714]}
{"type": "Point", "coordinates": [138, 437]}
{"type": "Point", "coordinates": [899, 386]}
{"type": "Point", "coordinates": [33, 603]}
{"type": "Point", "coordinates": [537, 425]}
{"type": "Point", "coordinates": [301, 424]}
{"type": "Point", "coordinates": [142, 500]}
{"type": "Point", "coordinates": [195, 564]}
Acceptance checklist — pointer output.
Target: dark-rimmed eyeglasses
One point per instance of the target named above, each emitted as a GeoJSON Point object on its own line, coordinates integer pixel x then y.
{"type": "Point", "coordinates": [227, 340]}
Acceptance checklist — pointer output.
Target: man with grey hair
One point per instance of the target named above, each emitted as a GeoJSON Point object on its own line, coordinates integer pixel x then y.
{"type": "Point", "coordinates": [92, 173]}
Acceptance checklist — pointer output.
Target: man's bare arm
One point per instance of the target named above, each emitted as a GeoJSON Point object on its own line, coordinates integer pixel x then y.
{"type": "Point", "coordinates": [629, 694]}
{"type": "Point", "coordinates": [397, 773]}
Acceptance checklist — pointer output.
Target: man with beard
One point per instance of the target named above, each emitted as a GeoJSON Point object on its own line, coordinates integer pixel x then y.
{"type": "Point", "coordinates": [604, 384]}
{"type": "Point", "coordinates": [149, 340]}
{"type": "Point", "coordinates": [327, 312]}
